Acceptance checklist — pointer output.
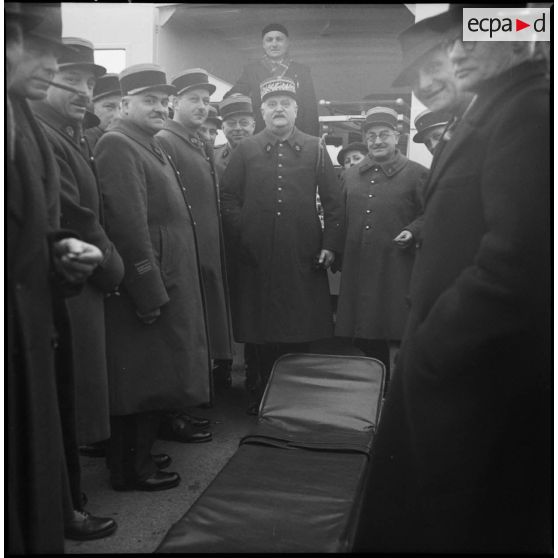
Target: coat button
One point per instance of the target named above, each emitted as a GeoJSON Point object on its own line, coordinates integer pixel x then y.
{"type": "Point", "coordinates": [279, 201]}
{"type": "Point", "coordinates": [280, 189]}
{"type": "Point", "coordinates": [279, 177]}
{"type": "Point", "coordinates": [372, 182]}
{"type": "Point", "coordinates": [370, 195]}
{"type": "Point", "coordinates": [367, 227]}
{"type": "Point", "coordinates": [279, 165]}
{"type": "Point", "coordinates": [376, 169]}
{"type": "Point", "coordinates": [278, 214]}
{"type": "Point", "coordinates": [367, 211]}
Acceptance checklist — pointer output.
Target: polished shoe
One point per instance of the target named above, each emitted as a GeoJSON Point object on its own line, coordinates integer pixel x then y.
{"type": "Point", "coordinates": [87, 527]}
{"type": "Point", "coordinates": [158, 481]}
{"type": "Point", "coordinates": [196, 422]}
{"type": "Point", "coordinates": [93, 450]}
{"type": "Point", "coordinates": [162, 460]}
{"type": "Point", "coordinates": [177, 429]}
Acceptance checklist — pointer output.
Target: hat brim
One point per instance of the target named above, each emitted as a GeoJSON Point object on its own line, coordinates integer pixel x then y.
{"type": "Point", "coordinates": [207, 86]}
{"type": "Point", "coordinates": [97, 70]}
{"type": "Point", "coordinates": [367, 125]}
{"type": "Point", "coordinates": [169, 89]}
{"type": "Point", "coordinates": [279, 94]}
{"type": "Point", "coordinates": [419, 136]}
{"type": "Point", "coordinates": [348, 149]}
{"type": "Point", "coordinates": [237, 113]}
{"type": "Point", "coordinates": [112, 93]}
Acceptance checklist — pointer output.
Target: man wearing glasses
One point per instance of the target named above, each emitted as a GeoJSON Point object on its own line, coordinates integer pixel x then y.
{"type": "Point", "coordinates": [383, 221]}
{"type": "Point", "coordinates": [462, 458]}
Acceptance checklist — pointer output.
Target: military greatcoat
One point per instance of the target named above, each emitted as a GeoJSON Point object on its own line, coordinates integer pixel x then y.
{"type": "Point", "coordinates": [382, 199]}
{"type": "Point", "coordinates": [269, 213]}
{"type": "Point", "coordinates": [82, 212]}
{"type": "Point", "coordinates": [163, 365]}
{"type": "Point", "coordinates": [194, 162]}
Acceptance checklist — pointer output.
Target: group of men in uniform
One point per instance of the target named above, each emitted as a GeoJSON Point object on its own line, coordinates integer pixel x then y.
{"type": "Point", "coordinates": [134, 247]}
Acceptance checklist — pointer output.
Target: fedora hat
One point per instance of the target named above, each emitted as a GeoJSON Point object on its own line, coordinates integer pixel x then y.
{"type": "Point", "coordinates": [195, 78]}
{"type": "Point", "coordinates": [106, 86]}
{"type": "Point", "coordinates": [14, 13]}
{"type": "Point", "coordinates": [355, 146]}
{"type": "Point", "coordinates": [139, 78]}
{"type": "Point", "coordinates": [49, 26]}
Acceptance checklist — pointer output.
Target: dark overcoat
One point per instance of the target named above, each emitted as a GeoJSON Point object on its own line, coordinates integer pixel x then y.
{"type": "Point", "coordinates": [256, 72]}
{"type": "Point", "coordinates": [81, 211]}
{"type": "Point", "coordinates": [36, 474]}
{"type": "Point", "coordinates": [382, 199]}
{"type": "Point", "coordinates": [194, 162]}
{"type": "Point", "coordinates": [92, 136]}
{"type": "Point", "coordinates": [164, 365]}
{"type": "Point", "coordinates": [463, 455]}
{"type": "Point", "coordinates": [268, 199]}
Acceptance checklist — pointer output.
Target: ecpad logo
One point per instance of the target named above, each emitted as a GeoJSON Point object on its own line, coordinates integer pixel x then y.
{"type": "Point", "coordinates": [506, 24]}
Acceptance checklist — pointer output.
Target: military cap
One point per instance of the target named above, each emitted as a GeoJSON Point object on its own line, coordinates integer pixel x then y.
{"type": "Point", "coordinates": [14, 13]}
{"type": "Point", "coordinates": [144, 77]}
{"type": "Point", "coordinates": [79, 52]}
{"type": "Point", "coordinates": [355, 146]}
{"type": "Point", "coordinates": [49, 28]}
{"type": "Point", "coordinates": [427, 120]}
{"type": "Point", "coordinates": [106, 86]}
{"type": "Point", "coordinates": [195, 78]}
{"type": "Point", "coordinates": [212, 117]}
{"type": "Point", "coordinates": [277, 86]}
{"type": "Point", "coordinates": [275, 27]}
{"type": "Point", "coordinates": [380, 115]}
{"type": "Point", "coordinates": [235, 104]}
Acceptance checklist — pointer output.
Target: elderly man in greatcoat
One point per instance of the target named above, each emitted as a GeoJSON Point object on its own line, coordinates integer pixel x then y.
{"type": "Point", "coordinates": [157, 344]}
{"type": "Point", "coordinates": [62, 114]}
{"type": "Point", "coordinates": [269, 214]}
{"type": "Point", "coordinates": [45, 263]}
{"type": "Point", "coordinates": [193, 158]}
{"type": "Point", "coordinates": [462, 460]}
{"type": "Point", "coordinates": [384, 208]}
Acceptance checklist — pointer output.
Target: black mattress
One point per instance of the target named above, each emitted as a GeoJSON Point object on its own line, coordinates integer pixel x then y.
{"type": "Point", "coordinates": [294, 484]}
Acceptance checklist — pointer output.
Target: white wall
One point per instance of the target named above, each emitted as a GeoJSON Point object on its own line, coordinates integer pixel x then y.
{"type": "Point", "coordinates": [124, 25]}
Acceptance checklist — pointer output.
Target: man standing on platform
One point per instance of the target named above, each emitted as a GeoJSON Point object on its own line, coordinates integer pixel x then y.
{"type": "Point", "coordinates": [193, 158]}
{"type": "Point", "coordinates": [280, 253]}
{"type": "Point", "coordinates": [156, 334]}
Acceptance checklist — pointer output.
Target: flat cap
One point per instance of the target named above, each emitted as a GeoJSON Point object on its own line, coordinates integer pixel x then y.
{"type": "Point", "coordinates": [275, 27]}
{"type": "Point", "coordinates": [355, 146]}
{"type": "Point", "coordinates": [144, 77]}
{"type": "Point", "coordinates": [195, 78]}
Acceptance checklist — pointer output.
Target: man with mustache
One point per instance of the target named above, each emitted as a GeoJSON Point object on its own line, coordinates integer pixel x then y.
{"type": "Point", "coordinates": [61, 114]}
{"type": "Point", "coordinates": [45, 264]}
{"type": "Point", "coordinates": [281, 299]}
{"type": "Point", "coordinates": [384, 206]}
{"type": "Point", "coordinates": [193, 158]}
{"type": "Point", "coordinates": [157, 345]}
{"type": "Point", "coordinates": [462, 460]}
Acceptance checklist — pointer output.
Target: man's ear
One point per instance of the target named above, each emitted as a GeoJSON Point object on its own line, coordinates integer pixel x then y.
{"type": "Point", "coordinates": [124, 105]}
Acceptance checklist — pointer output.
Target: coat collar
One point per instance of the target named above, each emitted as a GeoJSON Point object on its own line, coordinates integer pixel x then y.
{"type": "Point", "coordinates": [70, 129]}
{"type": "Point", "coordinates": [139, 135]}
{"type": "Point", "coordinates": [269, 140]}
{"type": "Point", "coordinates": [388, 167]}
{"type": "Point", "coordinates": [483, 105]}
{"type": "Point", "coordinates": [179, 130]}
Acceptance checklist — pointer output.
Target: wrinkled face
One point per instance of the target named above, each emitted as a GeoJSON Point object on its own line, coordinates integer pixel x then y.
{"type": "Point", "coordinates": [107, 108]}
{"type": "Point", "coordinates": [432, 137]}
{"type": "Point", "coordinates": [275, 44]}
{"type": "Point", "coordinates": [238, 127]}
{"type": "Point", "coordinates": [434, 82]}
{"type": "Point", "coordinates": [381, 141]}
{"type": "Point", "coordinates": [474, 62]}
{"type": "Point", "coordinates": [38, 61]}
{"type": "Point", "coordinates": [68, 104]}
{"type": "Point", "coordinates": [352, 158]}
{"type": "Point", "coordinates": [191, 108]}
{"type": "Point", "coordinates": [148, 110]}
{"type": "Point", "coordinates": [279, 113]}
{"type": "Point", "coordinates": [208, 131]}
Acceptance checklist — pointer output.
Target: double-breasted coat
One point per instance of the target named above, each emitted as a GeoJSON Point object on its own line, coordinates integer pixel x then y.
{"type": "Point", "coordinates": [164, 365]}
{"type": "Point", "coordinates": [194, 162]}
{"type": "Point", "coordinates": [382, 199]}
{"type": "Point", "coordinates": [256, 72]}
{"type": "Point", "coordinates": [462, 460]}
{"type": "Point", "coordinates": [268, 200]}
{"type": "Point", "coordinates": [37, 488]}
{"type": "Point", "coordinates": [81, 211]}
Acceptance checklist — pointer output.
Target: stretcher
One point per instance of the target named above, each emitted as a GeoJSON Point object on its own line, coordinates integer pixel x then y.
{"type": "Point", "coordinates": [295, 482]}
